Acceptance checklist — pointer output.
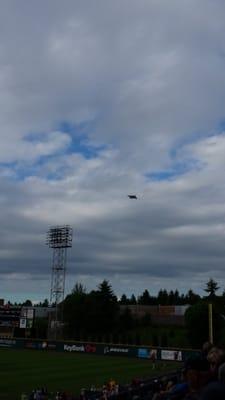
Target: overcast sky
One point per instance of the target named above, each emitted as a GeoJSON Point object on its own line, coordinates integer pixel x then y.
{"type": "Point", "coordinates": [101, 99]}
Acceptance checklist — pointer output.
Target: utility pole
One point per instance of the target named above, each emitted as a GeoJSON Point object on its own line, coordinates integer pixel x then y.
{"type": "Point", "coordinates": [210, 323]}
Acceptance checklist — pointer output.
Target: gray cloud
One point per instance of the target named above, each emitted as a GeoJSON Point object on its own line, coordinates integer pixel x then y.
{"type": "Point", "coordinates": [145, 82]}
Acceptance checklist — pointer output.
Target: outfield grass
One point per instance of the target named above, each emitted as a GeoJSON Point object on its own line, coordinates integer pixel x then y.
{"type": "Point", "coordinates": [24, 370]}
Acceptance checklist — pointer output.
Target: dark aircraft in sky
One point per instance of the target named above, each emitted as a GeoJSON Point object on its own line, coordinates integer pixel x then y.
{"type": "Point", "coordinates": [132, 196]}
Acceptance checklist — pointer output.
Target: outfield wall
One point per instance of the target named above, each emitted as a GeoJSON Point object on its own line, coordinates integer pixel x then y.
{"type": "Point", "coordinates": [143, 352]}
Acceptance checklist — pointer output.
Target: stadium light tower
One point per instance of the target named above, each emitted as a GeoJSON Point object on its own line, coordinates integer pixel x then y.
{"type": "Point", "coordinates": [59, 238]}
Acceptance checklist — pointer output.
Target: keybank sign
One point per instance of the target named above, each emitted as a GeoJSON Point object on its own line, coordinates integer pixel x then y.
{"type": "Point", "coordinates": [91, 348]}
{"type": "Point", "coordinates": [74, 347]}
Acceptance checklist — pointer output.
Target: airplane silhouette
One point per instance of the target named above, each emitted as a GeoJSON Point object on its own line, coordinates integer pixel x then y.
{"type": "Point", "coordinates": [132, 196]}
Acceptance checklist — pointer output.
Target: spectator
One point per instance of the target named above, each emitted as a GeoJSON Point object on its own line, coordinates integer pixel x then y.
{"type": "Point", "coordinates": [215, 357]}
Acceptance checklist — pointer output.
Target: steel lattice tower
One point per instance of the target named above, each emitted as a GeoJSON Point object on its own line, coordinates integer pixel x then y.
{"type": "Point", "coordinates": [59, 238]}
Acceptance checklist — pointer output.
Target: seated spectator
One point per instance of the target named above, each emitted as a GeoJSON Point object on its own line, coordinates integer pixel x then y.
{"type": "Point", "coordinates": [172, 389]}
{"type": "Point", "coordinates": [111, 384]}
{"type": "Point", "coordinates": [216, 357]}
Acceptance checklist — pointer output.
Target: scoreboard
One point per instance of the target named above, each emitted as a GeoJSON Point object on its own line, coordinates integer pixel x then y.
{"type": "Point", "coordinates": [10, 316]}
{"type": "Point", "coordinates": [16, 317]}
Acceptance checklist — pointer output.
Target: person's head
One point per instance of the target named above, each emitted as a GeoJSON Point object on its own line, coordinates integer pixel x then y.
{"type": "Point", "coordinates": [206, 347]}
{"type": "Point", "coordinates": [215, 358]}
{"type": "Point", "coordinates": [169, 385]}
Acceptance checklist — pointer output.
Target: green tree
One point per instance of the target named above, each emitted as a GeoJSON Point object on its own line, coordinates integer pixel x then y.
{"type": "Point", "coordinates": [91, 314]}
{"type": "Point", "coordinates": [101, 310]}
{"type": "Point", "coordinates": [146, 320]}
{"type": "Point", "coordinates": [133, 300]}
{"type": "Point", "coordinates": [27, 303]}
{"type": "Point", "coordinates": [223, 297]}
{"type": "Point", "coordinates": [124, 300]}
{"type": "Point", "coordinates": [182, 299]}
{"type": "Point", "coordinates": [192, 298]}
{"type": "Point", "coordinates": [106, 292]}
{"type": "Point", "coordinates": [126, 320]}
{"type": "Point", "coordinates": [211, 288]}
{"type": "Point", "coordinates": [145, 298]}
{"type": "Point", "coordinates": [163, 297]}
{"type": "Point", "coordinates": [176, 297]}
{"type": "Point", "coordinates": [74, 311]}
{"type": "Point", "coordinates": [197, 323]}
{"type": "Point", "coordinates": [45, 303]}
{"type": "Point", "coordinates": [171, 298]}
{"type": "Point", "coordinates": [79, 289]}
{"type": "Point", "coordinates": [107, 307]}
{"type": "Point", "coordinates": [196, 319]}
{"type": "Point", "coordinates": [41, 328]}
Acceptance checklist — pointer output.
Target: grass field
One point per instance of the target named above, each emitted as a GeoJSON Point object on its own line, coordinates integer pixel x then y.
{"type": "Point", "coordinates": [24, 370]}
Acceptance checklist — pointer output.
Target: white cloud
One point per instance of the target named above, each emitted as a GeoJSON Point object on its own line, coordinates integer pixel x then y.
{"type": "Point", "coordinates": [31, 151]}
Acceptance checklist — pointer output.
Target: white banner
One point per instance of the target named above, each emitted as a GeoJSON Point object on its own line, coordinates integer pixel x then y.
{"type": "Point", "coordinates": [23, 322]}
{"type": "Point", "coordinates": [172, 355]}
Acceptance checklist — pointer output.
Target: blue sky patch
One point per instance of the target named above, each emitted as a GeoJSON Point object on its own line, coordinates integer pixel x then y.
{"type": "Point", "coordinates": [170, 174]}
{"type": "Point", "coordinates": [80, 139]}
{"type": "Point", "coordinates": [177, 167]}
{"type": "Point", "coordinates": [80, 144]}
{"type": "Point", "coordinates": [79, 134]}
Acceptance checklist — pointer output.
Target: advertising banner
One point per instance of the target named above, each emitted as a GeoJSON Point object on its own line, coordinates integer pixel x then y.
{"type": "Point", "coordinates": [100, 349]}
{"type": "Point", "coordinates": [80, 347]}
{"type": "Point", "coordinates": [20, 343]}
{"type": "Point", "coordinates": [7, 343]}
{"type": "Point", "coordinates": [171, 355]}
{"type": "Point", "coordinates": [116, 350]}
{"type": "Point", "coordinates": [187, 354]}
{"type": "Point", "coordinates": [48, 345]}
{"type": "Point", "coordinates": [30, 344]}
{"type": "Point", "coordinates": [23, 322]}
{"type": "Point", "coordinates": [42, 345]}
{"type": "Point", "coordinates": [144, 352]}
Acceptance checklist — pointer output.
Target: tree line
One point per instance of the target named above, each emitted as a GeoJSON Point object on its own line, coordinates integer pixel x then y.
{"type": "Point", "coordinates": [164, 297]}
{"type": "Point", "coordinates": [97, 314]}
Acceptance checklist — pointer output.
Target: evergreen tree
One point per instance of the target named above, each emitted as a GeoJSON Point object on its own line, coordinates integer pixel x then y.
{"type": "Point", "coordinates": [102, 309]}
{"type": "Point", "coordinates": [192, 298]}
{"type": "Point", "coordinates": [45, 303]}
{"type": "Point", "coordinates": [79, 289]}
{"type": "Point", "coordinates": [124, 300]}
{"type": "Point", "coordinates": [27, 303]}
{"type": "Point", "coordinates": [106, 292]}
{"type": "Point", "coordinates": [211, 288]}
{"type": "Point", "coordinates": [176, 297]}
{"type": "Point", "coordinates": [133, 300]}
{"type": "Point", "coordinates": [163, 297]}
{"type": "Point", "coordinates": [145, 298]}
{"type": "Point", "coordinates": [74, 311]}
{"type": "Point", "coordinates": [182, 299]}
{"type": "Point", "coordinates": [171, 298]}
